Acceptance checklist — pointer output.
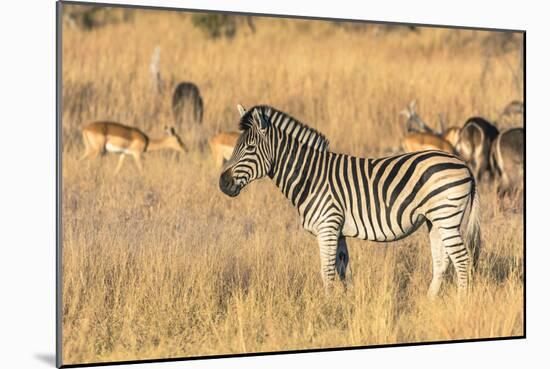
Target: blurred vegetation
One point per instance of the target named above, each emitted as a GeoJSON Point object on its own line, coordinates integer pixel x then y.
{"type": "Point", "coordinates": [216, 25]}
{"type": "Point", "coordinates": [502, 42]}
{"type": "Point", "coordinates": [87, 17]}
{"type": "Point", "coordinates": [377, 29]}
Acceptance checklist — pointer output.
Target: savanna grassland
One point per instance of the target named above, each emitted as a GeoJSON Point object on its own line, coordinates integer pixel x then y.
{"type": "Point", "coordinates": [164, 265]}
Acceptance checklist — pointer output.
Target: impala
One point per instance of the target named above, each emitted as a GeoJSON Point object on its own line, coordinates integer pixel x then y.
{"type": "Point", "coordinates": [103, 137]}
{"type": "Point", "coordinates": [420, 141]}
{"type": "Point", "coordinates": [187, 93]}
{"type": "Point", "coordinates": [222, 146]}
{"type": "Point", "coordinates": [474, 144]}
{"type": "Point", "coordinates": [450, 134]}
{"type": "Point", "coordinates": [507, 157]}
{"type": "Point", "coordinates": [426, 138]}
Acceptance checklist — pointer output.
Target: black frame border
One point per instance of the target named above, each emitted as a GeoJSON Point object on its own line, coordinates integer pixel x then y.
{"type": "Point", "coordinates": [58, 187]}
{"type": "Point", "coordinates": [58, 154]}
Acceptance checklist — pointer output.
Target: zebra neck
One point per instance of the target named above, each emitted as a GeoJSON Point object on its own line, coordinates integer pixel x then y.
{"type": "Point", "coordinates": [292, 170]}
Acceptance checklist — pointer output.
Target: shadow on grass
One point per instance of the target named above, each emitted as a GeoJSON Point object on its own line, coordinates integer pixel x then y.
{"type": "Point", "coordinates": [500, 269]}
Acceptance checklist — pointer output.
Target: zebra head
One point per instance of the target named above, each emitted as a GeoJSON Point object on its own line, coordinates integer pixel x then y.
{"type": "Point", "coordinates": [251, 157]}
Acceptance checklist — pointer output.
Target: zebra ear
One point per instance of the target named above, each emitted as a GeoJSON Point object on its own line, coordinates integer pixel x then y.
{"type": "Point", "coordinates": [241, 110]}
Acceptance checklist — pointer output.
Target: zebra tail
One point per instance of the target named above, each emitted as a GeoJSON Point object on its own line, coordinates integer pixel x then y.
{"type": "Point", "coordinates": [473, 231]}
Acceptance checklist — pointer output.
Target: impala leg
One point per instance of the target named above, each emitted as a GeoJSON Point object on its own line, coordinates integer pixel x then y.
{"type": "Point", "coordinates": [137, 160]}
{"type": "Point", "coordinates": [218, 158]}
{"type": "Point", "coordinates": [87, 149]}
{"type": "Point", "coordinates": [86, 153]}
{"type": "Point", "coordinates": [119, 165]}
{"type": "Point", "coordinates": [89, 154]}
{"type": "Point", "coordinates": [474, 166]}
{"type": "Point", "coordinates": [503, 185]}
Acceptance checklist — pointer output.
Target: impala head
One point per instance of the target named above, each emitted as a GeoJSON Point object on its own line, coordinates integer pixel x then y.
{"type": "Point", "coordinates": [414, 119]}
{"type": "Point", "coordinates": [252, 158]}
{"type": "Point", "coordinates": [174, 141]}
{"type": "Point", "coordinates": [411, 116]}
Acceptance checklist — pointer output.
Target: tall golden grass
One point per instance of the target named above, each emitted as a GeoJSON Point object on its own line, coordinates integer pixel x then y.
{"type": "Point", "coordinates": [165, 265]}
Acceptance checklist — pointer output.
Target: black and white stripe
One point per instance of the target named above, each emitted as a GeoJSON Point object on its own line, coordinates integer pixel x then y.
{"type": "Point", "coordinates": [338, 195]}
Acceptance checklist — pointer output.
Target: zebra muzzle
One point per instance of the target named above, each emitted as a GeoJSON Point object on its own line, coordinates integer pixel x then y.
{"type": "Point", "coordinates": [228, 185]}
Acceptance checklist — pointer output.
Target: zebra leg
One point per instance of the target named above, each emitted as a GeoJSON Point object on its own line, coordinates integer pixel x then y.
{"type": "Point", "coordinates": [342, 258]}
{"type": "Point", "coordinates": [328, 245]}
{"type": "Point", "coordinates": [448, 228]}
{"type": "Point", "coordinates": [453, 245]}
{"type": "Point", "coordinates": [440, 261]}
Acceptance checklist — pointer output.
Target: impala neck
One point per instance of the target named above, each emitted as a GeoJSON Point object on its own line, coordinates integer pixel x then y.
{"type": "Point", "coordinates": [159, 144]}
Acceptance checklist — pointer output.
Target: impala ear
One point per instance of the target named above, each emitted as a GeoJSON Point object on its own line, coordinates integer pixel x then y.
{"type": "Point", "coordinates": [170, 131]}
{"type": "Point", "coordinates": [405, 113]}
{"type": "Point", "coordinates": [241, 110]}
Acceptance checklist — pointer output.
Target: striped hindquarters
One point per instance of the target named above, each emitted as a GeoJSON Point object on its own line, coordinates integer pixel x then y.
{"type": "Point", "coordinates": [387, 199]}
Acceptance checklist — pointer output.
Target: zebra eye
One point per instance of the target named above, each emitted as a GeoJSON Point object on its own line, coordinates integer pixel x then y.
{"type": "Point", "coordinates": [249, 148]}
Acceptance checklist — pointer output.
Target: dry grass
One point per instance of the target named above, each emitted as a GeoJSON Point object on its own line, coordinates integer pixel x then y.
{"type": "Point", "coordinates": [165, 265]}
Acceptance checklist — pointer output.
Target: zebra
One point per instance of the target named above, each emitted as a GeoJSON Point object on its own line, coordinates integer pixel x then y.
{"type": "Point", "coordinates": [377, 199]}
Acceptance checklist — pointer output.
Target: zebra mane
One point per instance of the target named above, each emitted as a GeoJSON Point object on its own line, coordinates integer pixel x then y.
{"type": "Point", "coordinates": [287, 125]}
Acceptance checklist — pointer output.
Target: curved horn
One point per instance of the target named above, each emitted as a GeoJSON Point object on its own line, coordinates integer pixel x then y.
{"type": "Point", "coordinates": [420, 122]}
{"type": "Point", "coordinates": [442, 125]}
{"type": "Point", "coordinates": [412, 107]}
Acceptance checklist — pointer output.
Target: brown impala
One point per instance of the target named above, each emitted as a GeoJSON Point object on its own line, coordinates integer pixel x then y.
{"type": "Point", "coordinates": [474, 144]}
{"type": "Point", "coordinates": [507, 156]}
{"type": "Point", "coordinates": [424, 137]}
{"type": "Point", "coordinates": [103, 137]}
{"type": "Point", "coordinates": [222, 146]}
